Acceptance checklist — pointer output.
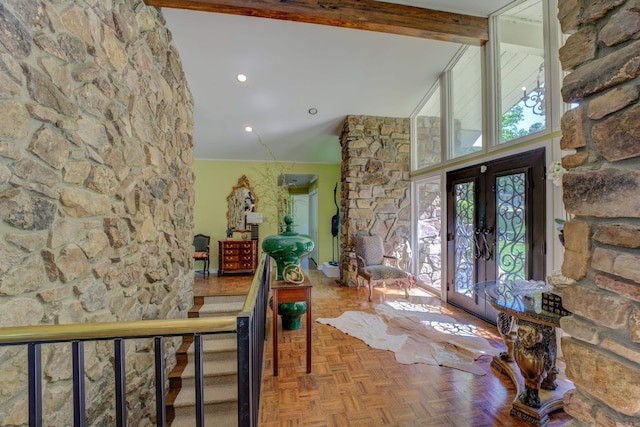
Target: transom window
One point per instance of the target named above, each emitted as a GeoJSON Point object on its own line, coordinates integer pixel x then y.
{"type": "Point", "coordinates": [522, 71]}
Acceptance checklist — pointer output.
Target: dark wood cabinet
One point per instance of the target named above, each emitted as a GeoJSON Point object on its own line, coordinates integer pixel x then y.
{"type": "Point", "coordinates": [237, 256]}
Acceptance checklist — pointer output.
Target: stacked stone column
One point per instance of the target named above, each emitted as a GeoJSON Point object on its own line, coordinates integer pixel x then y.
{"type": "Point", "coordinates": [602, 194]}
{"type": "Point", "coordinates": [375, 189]}
{"type": "Point", "coordinates": [96, 194]}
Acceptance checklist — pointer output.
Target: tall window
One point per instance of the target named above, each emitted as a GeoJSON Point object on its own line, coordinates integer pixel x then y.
{"type": "Point", "coordinates": [465, 131]}
{"type": "Point", "coordinates": [522, 71]}
{"type": "Point", "coordinates": [428, 132]}
{"type": "Point", "coordinates": [429, 223]}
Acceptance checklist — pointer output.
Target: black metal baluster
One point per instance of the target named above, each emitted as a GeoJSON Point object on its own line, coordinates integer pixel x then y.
{"type": "Point", "coordinates": [121, 382]}
{"type": "Point", "coordinates": [245, 370]}
{"type": "Point", "coordinates": [256, 338]}
{"type": "Point", "coordinates": [161, 415]}
{"type": "Point", "coordinates": [35, 385]}
{"type": "Point", "coordinates": [79, 409]}
{"type": "Point", "coordinates": [197, 341]}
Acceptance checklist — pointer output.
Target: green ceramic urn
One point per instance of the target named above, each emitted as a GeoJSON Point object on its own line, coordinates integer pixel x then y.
{"type": "Point", "coordinates": [290, 313]}
{"type": "Point", "coordinates": [287, 247]}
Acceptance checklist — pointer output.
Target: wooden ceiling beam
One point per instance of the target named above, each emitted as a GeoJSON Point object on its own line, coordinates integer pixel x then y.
{"type": "Point", "coordinates": [356, 14]}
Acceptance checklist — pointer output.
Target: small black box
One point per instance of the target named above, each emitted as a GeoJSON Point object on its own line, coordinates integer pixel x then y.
{"type": "Point", "coordinates": [553, 304]}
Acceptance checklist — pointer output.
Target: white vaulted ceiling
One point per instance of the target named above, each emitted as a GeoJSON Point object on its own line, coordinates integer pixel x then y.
{"type": "Point", "coordinates": [294, 66]}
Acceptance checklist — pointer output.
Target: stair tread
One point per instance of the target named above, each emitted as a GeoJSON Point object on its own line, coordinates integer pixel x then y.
{"type": "Point", "coordinates": [221, 307]}
{"type": "Point", "coordinates": [221, 414]}
{"type": "Point", "coordinates": [216, 345]}
{"type": "Point", "coordinates": [221, 367]}
{"type": "Point", "coordinates": [219, 419]}
{"type": "Point", "coordinates": [221, 297]}
{"type": "Point", "coordinates": [212, 395]}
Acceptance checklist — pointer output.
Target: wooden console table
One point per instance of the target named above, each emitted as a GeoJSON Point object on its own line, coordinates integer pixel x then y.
{"type": "Point", "coordinates": [286, 292]}
{"type": "Point", "coordinates": [529, 332]}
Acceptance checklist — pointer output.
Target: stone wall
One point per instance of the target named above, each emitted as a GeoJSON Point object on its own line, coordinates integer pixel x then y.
{"type": "Point", "coordinates": [96, 192]}
{"type": "Point", "coordinates": [602, 192]}
{"type": "Point", "coordinates": [375, 191]}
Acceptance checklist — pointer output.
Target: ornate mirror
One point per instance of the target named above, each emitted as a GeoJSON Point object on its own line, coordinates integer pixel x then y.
{"type": "Point", "coordinates": [241, 200]}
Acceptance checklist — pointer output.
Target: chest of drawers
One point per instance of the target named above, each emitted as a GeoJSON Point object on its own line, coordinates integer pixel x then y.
{"type": "Point", "coordinates": [237, 256]}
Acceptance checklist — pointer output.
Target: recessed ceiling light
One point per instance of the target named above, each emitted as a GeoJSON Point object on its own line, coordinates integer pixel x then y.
{"type": "Point", "coordinates": [248, 129]}
{"type": "Point", "coordinates": [313, 111]}
{"type": "Point", "coordinates": [241, 78]}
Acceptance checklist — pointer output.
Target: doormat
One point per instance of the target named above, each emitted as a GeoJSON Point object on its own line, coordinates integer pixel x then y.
{"type": "Point", "coordinates": [417, 335]}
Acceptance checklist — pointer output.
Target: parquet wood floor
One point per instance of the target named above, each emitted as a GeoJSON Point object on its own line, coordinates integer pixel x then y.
{"type": "Point", "coordinates": [352, 384]}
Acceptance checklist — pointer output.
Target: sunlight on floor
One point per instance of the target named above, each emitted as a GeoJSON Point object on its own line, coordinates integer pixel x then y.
{"type": "Point", "coordinates": [392, 290]}
{"type": "Point", "coordinates": [459, 329]}
{"type": "Point", "coordinates": [412, 306]}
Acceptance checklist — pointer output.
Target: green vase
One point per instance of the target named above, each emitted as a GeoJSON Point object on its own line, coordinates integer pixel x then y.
{"type": "Point", "coordinates": [287, 247]}
{"type": "Point", "coordinates": [290, 313]}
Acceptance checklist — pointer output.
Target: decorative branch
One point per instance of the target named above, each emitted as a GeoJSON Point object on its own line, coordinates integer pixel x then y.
{"type": "Point", "coordinates": [273, 190]}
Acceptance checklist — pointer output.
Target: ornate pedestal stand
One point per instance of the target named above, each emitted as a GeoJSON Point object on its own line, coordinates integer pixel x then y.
{"type": "Point", "coordinates": [550, 400]}
{"type": "Point", "coordinates": [529, 332]}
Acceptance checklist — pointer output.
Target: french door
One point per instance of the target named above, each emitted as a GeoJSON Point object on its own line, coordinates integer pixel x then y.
{"type": "Point", "coordinates": [495, 227]}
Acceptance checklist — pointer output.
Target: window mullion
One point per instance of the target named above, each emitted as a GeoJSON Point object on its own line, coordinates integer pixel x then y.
{"type": "Point", "coordinates": [553, 42]}
{"type": "Point", "coordinates": [446, 123]}
{"type": "Point", "coordinates": [493, 117]}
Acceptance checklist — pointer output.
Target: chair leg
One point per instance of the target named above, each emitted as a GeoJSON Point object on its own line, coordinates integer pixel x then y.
{"type": "Point", "coordinates": [205, 267]}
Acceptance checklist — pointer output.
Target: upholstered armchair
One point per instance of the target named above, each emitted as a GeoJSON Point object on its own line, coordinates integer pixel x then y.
{"type": "Point", "coordinates": [201, 251]}
{"type": "Point", "coordinates": [373, 265]}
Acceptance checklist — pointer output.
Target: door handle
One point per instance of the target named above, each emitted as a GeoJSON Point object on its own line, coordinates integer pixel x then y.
{"type": "Point", "coordinates": [488, 251]}
{"type": "Point", "coordinates": [482, 247]}
{"type": "Point", "coordinates": [478, 245]}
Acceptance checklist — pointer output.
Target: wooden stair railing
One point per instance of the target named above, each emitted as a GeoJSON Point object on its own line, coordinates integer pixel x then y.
{"type": "Point", "coordinates": [249, 326]}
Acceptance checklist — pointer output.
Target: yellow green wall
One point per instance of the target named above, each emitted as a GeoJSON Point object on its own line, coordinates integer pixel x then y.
{"type": "Point", "coordinates": [215, 179]}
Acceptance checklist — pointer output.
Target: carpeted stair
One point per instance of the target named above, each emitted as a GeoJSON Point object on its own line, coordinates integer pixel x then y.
{"type": "Point", "coordinates": [220, 370]}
